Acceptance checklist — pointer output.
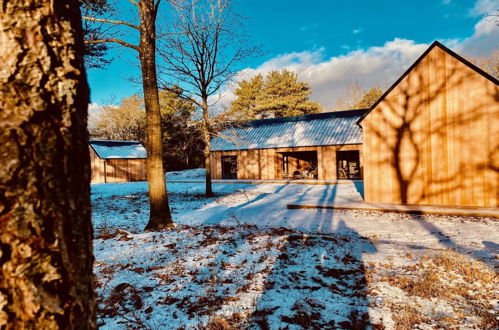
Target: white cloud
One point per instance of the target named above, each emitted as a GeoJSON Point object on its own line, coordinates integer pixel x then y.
{"type": "Point", "coordinates": [94, 111]}
{"type": "Point", "coordinates": [484, 7]}
{"type": "Point", "coordinates": [374, 66]}
{"type": "Point", "coordinates": [310, 27]}
{"type": "Point", "coordinates": [357, 30]}
{"type": "Point", "coordinates": [328, 78]}
{"type": "Point", "coordinates": [484, 40]}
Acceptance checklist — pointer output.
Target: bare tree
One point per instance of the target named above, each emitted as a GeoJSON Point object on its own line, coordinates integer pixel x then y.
{"type": "Point", "coordinates": [494, 17]}
{"type": "Point", "coordinates": [356, 97]}
{"type": "Point", "coordinates": [199, 54]}
{"type": "Point", "coordinates": [45, 228]}
{"type": "Point", "coordinates": [488, 64]}
{"type": "Point", "coordinates": [160, 216]}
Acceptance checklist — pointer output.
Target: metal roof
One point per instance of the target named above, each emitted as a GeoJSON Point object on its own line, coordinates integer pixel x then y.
{"type": "Point", "coordinates": [329, 128]}
{"type": "Point", "coordinates": [112, 149]}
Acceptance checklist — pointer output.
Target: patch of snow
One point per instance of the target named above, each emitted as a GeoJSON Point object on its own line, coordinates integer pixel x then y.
{"type": "Point", "coordinates": [189, 276]}
{"type": "Point", "coordinates": [197, 174]}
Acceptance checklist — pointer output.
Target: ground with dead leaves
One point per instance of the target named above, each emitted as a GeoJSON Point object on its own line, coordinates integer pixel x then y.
{"type": "Point", "coordinates": [194, 276]}
{"type": "Point", "coordinates": [241, 277]}
{"type": "Point", "coordinates": [367, 270]}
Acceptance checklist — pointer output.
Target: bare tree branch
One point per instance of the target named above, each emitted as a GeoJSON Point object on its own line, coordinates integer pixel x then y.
{"type": "Point", "coordinates": [200, 52]}
{"type": "Point", "coordinates": [114, 40]}
{"type": "Point", "coordinates": [102, 20]}
{"type": "Point", "coordinates": [134, 2]}
{"type": "Point", "coordinates": [156, 7]}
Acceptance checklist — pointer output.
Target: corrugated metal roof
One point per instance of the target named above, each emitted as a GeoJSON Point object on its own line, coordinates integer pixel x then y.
{"type": "Point", "coordinates": [329, 128]}
{"type": "Point", "coordinates": [107, 149]}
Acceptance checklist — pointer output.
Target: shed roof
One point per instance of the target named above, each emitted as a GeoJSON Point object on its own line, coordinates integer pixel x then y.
{"type": "Point", "coordinates": [118, 149]}
{"type": "Point", "coordinates": [329, 128]}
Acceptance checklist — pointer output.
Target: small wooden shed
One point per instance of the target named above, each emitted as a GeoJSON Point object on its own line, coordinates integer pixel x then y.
{"type": "Point", "coordinates": [323, 146]}
{"type": "Point", "coordinates": [117, 161]}
{"type": "Point", "coordinates": [433, 137]}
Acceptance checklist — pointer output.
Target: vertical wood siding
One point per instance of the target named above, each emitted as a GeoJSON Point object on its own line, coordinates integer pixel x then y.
{"type": "Point", "coordinates": [265, 164]}
{"type": "Point", "coordinates": [116, 170]}
{"type": "Point", "coordinates": [434, 139]}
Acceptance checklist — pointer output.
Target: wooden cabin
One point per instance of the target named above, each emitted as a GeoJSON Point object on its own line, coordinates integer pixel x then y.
{"type": "Point", "coordinates": [433, 137]}
{"type": "Point", "coordinates": [117, 161]}
{"type": "Point", "coordinates": [325, 146]}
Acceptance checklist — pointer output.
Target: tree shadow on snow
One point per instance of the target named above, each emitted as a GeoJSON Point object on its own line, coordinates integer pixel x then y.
{"type": "Point", "coordinates": [317, 282]}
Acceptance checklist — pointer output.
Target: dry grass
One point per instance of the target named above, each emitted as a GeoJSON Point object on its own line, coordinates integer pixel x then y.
{"type": "Point", "coordinates": [442, 290]}
{"type": "Point", "coordinates": [407, 317]}
{"type": "Point", "coordinates": [469, 269]}
{"type": "Point", "coordinates": [218, 323]}
{"type": "Point", "coordinates": [466, 284]}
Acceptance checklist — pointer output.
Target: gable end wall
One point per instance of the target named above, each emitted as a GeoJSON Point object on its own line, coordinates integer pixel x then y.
{"type": "Point", "coordinates": [434, 139]}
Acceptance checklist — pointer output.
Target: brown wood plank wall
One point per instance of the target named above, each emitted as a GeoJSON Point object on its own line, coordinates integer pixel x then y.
{"type": "Point", "coordinates": [266, 164]}
{"type": "Point", "coordinates": [116, 170]}
{"type": "Point", "coordinates": [434, 139]}
{"type": "Point", "coordinates": [97, 168]}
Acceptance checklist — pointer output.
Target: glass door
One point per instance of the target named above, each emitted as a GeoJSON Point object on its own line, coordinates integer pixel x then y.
{"type": "Point", "coordinates": [348, 165]}
{"type": "Point", "coordinates": [229, 167]}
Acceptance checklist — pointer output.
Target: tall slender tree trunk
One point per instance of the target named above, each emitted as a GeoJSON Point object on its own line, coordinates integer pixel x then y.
{"type": "Point", "coordinates": [160, 216]}
{"type": "Point", "coordinates": [45, 228]}
{"type": "Point", "coordinates": [206, 138]}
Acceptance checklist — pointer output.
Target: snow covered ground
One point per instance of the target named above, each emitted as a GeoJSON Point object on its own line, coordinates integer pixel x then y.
{"type": "Point", "coordinates": [241, 259]}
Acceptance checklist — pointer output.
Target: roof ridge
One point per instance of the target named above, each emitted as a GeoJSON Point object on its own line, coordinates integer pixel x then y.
{"type": "Point", "coordinates": [312, 116]}
{"type": "Point", "coordinates": [434, 44]}
{"type": "Point", "coordinates": [299, 131]}
{"type": "Point", "coordinates": [114, 141]}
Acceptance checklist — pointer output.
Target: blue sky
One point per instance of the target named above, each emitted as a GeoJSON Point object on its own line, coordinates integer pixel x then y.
{"type": "Point", "coordinates": [331, 44]}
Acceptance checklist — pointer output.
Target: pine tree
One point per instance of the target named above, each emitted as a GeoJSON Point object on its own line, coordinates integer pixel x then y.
{"type": "Point", "coordinates": [248, 96]}
{"type": "Point", "coordinates": [355, 97]}
{"type": "Point", "coordinates": [284, 95]}
{"type": "Point", "coordinates": [368, 99]}
{"type": "Point", "coordinates": [182, 136]}
{"type": "Point", "coordinates": [279, 94]}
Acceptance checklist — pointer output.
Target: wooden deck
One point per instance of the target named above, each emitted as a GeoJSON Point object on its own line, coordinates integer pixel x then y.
{"type": "Point", "coordinates": [399, 208]}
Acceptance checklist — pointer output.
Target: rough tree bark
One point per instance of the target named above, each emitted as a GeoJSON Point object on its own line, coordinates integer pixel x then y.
{"type": "Point", "coordinates": [207, 143]}
{"type": "Point", "coordinates": [160, 216]}
{"type": "Point", "coordinates": [45, 228]}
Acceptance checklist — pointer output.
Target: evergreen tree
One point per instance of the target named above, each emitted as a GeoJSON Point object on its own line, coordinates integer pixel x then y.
{"type": "Point", "coordinates": [95, 53]}
{"type": "Point", "coordinates": [368, 99]}
{"type": "Point", "coordinates": [182, 136]}
{"type": "Point", "coordinates": [283, 96]}
{"type": "Point", "coordinates": [355, 97]}
{"type": "Point", "coordinates": [248, 97]}
{"type": "Point", "coordinates": [279, 94]}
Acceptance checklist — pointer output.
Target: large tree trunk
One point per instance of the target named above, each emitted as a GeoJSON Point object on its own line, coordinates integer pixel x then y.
{"type": "Point", "coordinates": [160, 216]}
{"type": "Point", "coordinates": [45, 228]}
{"type": "Point", "coordinates": [207, 138]}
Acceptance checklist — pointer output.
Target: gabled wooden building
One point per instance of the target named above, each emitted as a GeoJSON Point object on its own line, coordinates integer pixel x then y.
{"type": "Point", "coordinates": [433, 137]}
{"type": "Point", "coordinates": [325, 146]}
{"type": "Point", "coordinates": [117, 161]}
